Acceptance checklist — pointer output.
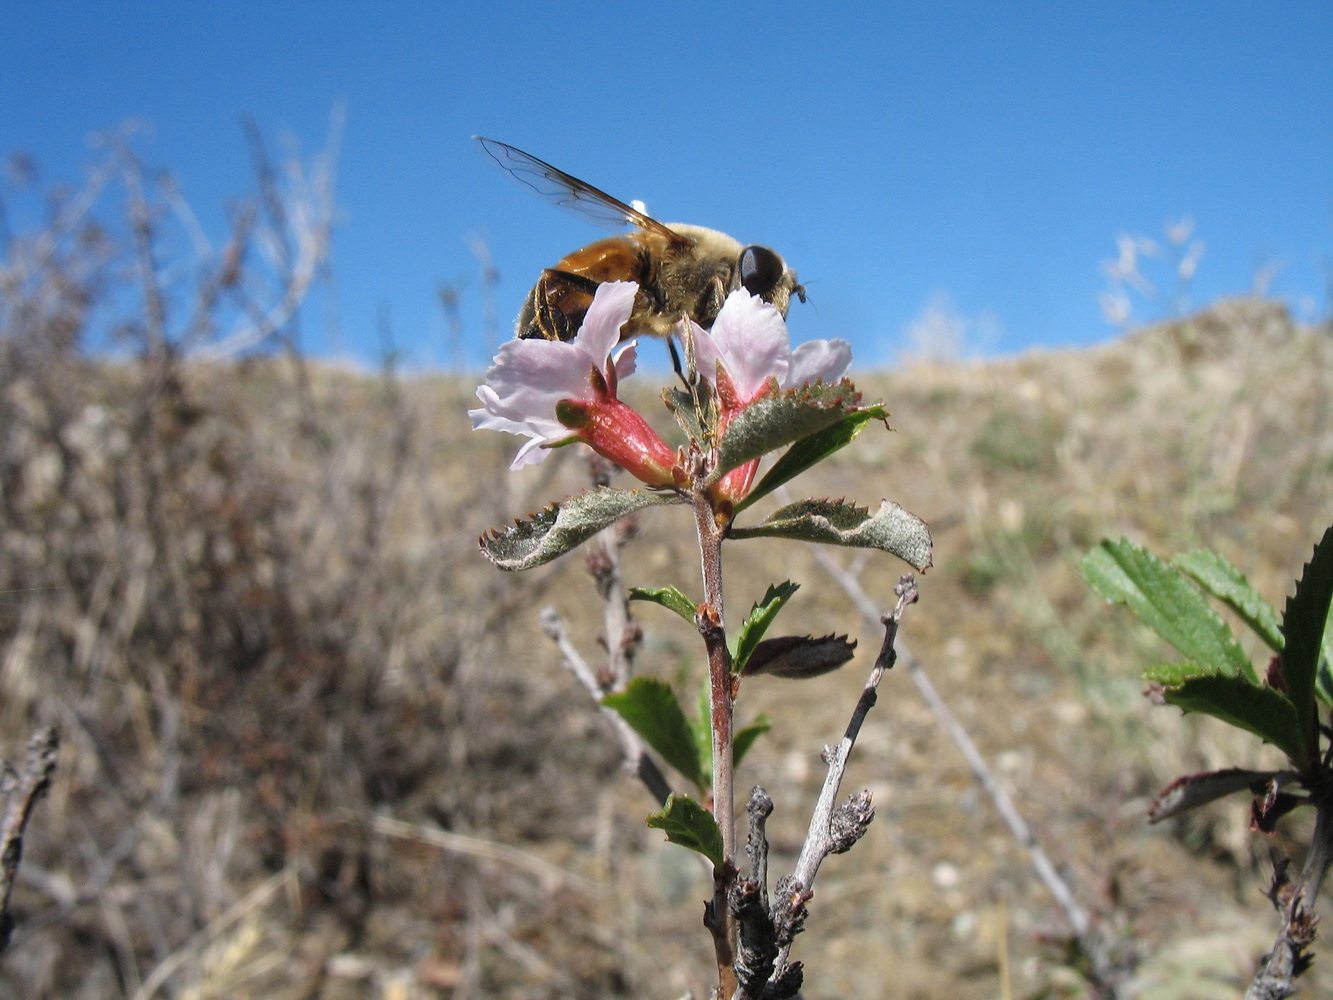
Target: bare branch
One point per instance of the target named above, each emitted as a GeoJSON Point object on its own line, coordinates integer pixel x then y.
{"type": "Point", "coordinates": [19, 791]}
{"type": "Point", "coordinates": [1275, 979]}
{"type": "Point", "coordinates": [296, 234]}
{"type": "Point", "coordinates": [1105, 973]}
{"type": "Point", "coordinates": [820, 841]}
{"type": "Point", "coordinates": [637, 758]}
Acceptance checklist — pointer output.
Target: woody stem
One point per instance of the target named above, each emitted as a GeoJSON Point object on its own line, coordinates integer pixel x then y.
{"type": "Point", "coordinates": [709, 619]}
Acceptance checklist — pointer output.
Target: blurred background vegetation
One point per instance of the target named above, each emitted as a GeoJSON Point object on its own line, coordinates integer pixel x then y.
{"type": "Point", "coordinates": [315, 747]}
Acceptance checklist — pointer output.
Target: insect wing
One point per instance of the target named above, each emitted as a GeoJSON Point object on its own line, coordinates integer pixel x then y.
{"type": "Point", "coordinates": [568, 192]}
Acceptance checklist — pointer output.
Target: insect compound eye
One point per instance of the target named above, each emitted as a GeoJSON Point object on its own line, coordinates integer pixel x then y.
{"type": "Point", "coordinates": [761, 270]}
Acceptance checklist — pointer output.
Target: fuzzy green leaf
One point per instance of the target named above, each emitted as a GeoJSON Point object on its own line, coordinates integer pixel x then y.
{"type": "Point", "coordinates": [836, 522]}
{"type": "Point", "coordinates": [563, 526]}
{"type": "Point", "coordinates": [761, 616]}
{"type": "Point", "coordinates": [691, 825]}
{"type": "Point", "coordinates": [811, 450]}
{"type": "Point", "coordinates": [744, 738]}
{"type": "Point", "coordinates": [651, 709]}
{"type": "Point", "coordinates": [1303, 629]}
{"type": "Point", "coordinates": [669, 597]}
{"type": "Point", "coordinates": [1167, 603]}
{"type": "Point", "coordinates": [776, 420]}
{"type": "Point", "coordinates": [1258, 709]}
{"type": "Point", "coordinates": [1224, 581]}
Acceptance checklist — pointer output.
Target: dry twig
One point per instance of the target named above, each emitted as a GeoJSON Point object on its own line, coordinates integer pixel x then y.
{"type": "Point", "coordinates": [19, 791]}
{"type": "Point", "coordinates": [1105, 971]}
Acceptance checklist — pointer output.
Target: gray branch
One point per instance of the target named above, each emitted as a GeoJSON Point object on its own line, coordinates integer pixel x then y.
{"type": "Point", "coordinates": [637, 758]}
{"type": "Point", "coordinates": [19, 791]}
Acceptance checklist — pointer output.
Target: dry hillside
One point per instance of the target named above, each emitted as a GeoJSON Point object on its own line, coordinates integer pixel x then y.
{"type": "Point", "coordinates": [315, 747]}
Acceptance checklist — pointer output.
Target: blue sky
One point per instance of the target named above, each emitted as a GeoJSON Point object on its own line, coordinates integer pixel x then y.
{"type": "Point", "coordinates": [974, 159]}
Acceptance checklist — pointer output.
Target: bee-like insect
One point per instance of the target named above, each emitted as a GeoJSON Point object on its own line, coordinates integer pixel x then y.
{"type": "Point", "coordinates": [680, 269]}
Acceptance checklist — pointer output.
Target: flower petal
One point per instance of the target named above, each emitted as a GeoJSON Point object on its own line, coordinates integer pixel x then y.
{"type": "Point", "coordinates": [751, 339]}
{"type": "Point", "coordinates": [610, 310]}
{"type": "Point", "coordinates": [829, 360]}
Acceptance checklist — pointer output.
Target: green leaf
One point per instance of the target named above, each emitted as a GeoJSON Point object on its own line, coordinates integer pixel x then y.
{"type": "Point", "coordinates": [691, 825]}
{"type": "Point", "coordinates": [651, 709]}
{"type": "Point", "coordinates": [836, 522]}
{"type": "Point", "coordinates": [1258, 709]}
{"type": "Point", "coordinates": [1303, 627]}
{"type": "Point", "coordinates": [778, 419]}
{"type": "Point", "coordinates": [761, 616]}
{"type": "Point", "coordinates": [1327, 650]}
{"type": "Point", "coordinates": [744, 739]}
{"type": "Point", "coordinates": [669, 597]}
{"type": "Point", "coordinates": [703, 730]}
{"type": "Point", "coordinates": [1323, 682]}
{"type": "Point", "coordinates": [1167, 603]}
{"type": "Point", "coordinates": [563, 526]}
{"type": "Point", "coordinates": [1224, 581]}
{"type": "Point", "coordinates": [811, 450]}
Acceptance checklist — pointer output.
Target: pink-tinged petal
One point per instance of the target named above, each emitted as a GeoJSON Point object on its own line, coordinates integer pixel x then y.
{"type": "Point", "coordinates": [829, 360]}
{"type": "Point", "coordinates": [625, 359]}
{"type": "Point", "coordinates": [531, 453]}
{"type": "Point", "coordinates": [544, 390]}
{"type": "Point", "coordinates": [751, 338]}
{"type": "Point", "coordinates": [611, 307]}
{"type": "Point", "coordinates": [527, 372]}
{"type": "Point", "coordinates": [495, 416]}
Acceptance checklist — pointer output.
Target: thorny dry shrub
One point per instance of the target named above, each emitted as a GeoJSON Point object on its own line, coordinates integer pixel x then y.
{"type": "Point", "coordinates": [305, 726]}
{"type": "Point", "coordinates": [235, 588]}
{"type": "Point", "coordinates": [251, 652]}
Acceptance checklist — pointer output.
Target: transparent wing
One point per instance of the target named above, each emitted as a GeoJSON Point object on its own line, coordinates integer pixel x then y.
{"type": "Point", "coordinates": [564, 191]}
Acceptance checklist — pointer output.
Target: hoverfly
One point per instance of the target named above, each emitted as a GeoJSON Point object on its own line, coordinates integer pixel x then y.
{"type": "Point", "coordinates": [680, 269]}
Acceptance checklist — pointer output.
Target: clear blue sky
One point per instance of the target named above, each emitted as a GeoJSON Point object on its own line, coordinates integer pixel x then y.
{"type": "Point", "coordinates": [980, 155]}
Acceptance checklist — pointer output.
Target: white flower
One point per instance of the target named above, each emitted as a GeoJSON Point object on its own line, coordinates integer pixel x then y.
{"type": "Point", "coordinates": [749, 339]}
{"type": "Point", "coordinates": [530, 377]}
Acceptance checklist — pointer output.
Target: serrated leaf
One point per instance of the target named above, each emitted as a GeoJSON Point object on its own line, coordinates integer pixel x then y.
{"type": "Point", "coordinates": [778, 419]}
{"type": "Point", "coordinates": [1125, 573]}
{"type": "Point", "coordinates": [756, 623]}
{"type": "Point", "coordinates": [1217, 576]}
{"type": "Point", "coordinates": [811, 450]}
{"type": "Point", "coordinates": [562, 526]}
{"type": "Point", "coordinates": [835, 522]}
{"type": "Point", "coordinates": [689, 824]}
{"type": "Point", "coordinates": [669, 597]}
{"type": "Point", "coordinates": [744, 738]}
{"type": "Point", "coordinates": [1258, 709]}
{"type": "Point", "coordinates": [1303, 629]}
{"type": "Point", "coordinates": [651, 709]}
